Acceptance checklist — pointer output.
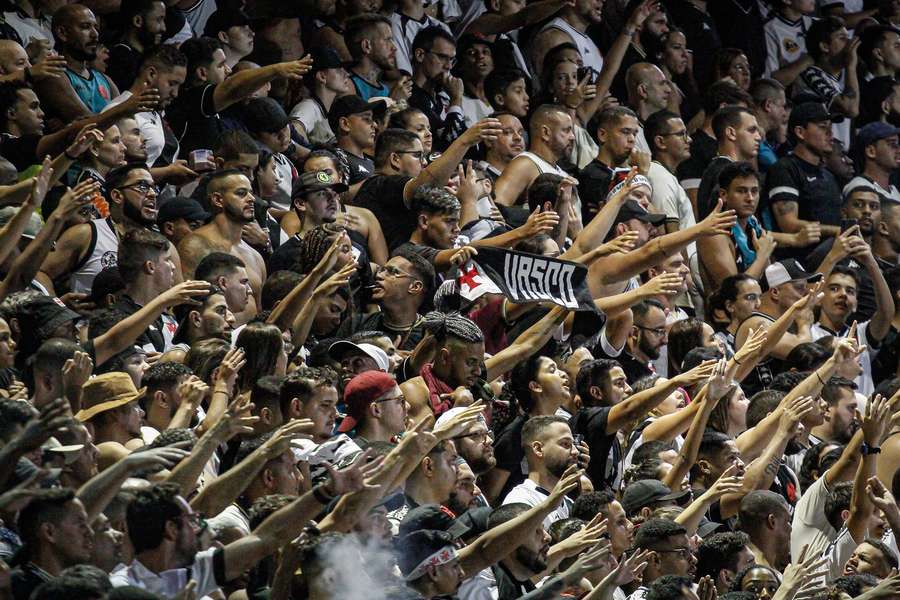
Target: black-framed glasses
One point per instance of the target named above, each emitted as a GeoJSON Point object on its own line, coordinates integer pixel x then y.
{"type": "Point", "coordinates": [444, 58]}
{"type": "Point", "coordinates": [141, 187]}
{"type": "Point", "coordinates": [418, 154]}
{"type": "Point", "coordinates": [685, 553]}
{"type": "Point", "coordinates": [658, 331]}
{"type": "Point", "coordinates": [479, 437]}
{"type": "Point", "coordinates": [393, 271]}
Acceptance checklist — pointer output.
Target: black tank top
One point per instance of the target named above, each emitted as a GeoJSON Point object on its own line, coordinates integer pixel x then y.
{"type": "Point", "coordinates": [761, 377]}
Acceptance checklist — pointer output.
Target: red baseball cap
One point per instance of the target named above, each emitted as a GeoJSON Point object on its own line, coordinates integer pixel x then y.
{"type": "Point", "coordinates": [361, 391]}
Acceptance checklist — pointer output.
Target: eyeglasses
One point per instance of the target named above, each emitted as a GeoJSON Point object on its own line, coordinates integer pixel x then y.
{"type": "Point", "coordinates": [401, 398]}
{"type": "Point", "coordinates": [141, 187]}
{"type": "Point", "coordinates": [479, 437]}
{"type": "Point", "coordinates": [657, 331]}
{"type": "Point", "coordinates": [418, 154]}
{"type": "Point", "coordinates": [685, 553]}
{"type": "Point", "coordinates": [444, 58]}
{"type": "Point", "coordinates": [393, 271]}
{"type": "Point", "coordinates": [683, 134]}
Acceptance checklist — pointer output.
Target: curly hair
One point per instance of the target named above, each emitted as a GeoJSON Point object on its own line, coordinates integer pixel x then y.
{"type": "Point", "coordinates": [434, 200]}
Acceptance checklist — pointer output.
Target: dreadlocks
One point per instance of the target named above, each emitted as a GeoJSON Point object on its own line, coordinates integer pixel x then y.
{"type": "Point", "coordinates": [315, 244]}
{"type": "Point", "coordinates": [452, 325]}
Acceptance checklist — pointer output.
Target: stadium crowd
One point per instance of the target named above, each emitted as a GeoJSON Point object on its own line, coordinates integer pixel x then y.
{"type": "Point", "coordinates": [252, 344]}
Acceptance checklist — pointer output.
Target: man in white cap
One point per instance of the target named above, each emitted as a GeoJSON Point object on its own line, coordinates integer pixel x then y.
{"type": "Point", "coordinates": [358, 358]}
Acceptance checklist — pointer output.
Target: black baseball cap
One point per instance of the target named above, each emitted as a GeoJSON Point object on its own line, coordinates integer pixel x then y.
{"type": "Point", "coordinates": [264, 115]}
{"type": "Point", "coordinates": [433, 516]}
{"type": "Point", "coordinates": [180, 207]}
{"type": "Point", "coordinates": [419, 545]}
{"type": "Point", "coordinates": [223, 20]}
{"type": "Point", "coordinates": [632, 210]}
{"type": "Point", "coordinates": [647, 492]}
{"type": "Point", "coordinates": [811, 112]}
{"type": "Point", "coordinates": [352, 104]}
{"type": "Point", "coordinates": [326, 57]}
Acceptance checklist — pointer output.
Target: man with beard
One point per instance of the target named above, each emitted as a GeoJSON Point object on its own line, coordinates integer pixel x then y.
{"type": "Point", "coordinates": [86, 249]}
{"type": "Point", "coordinates": [432, 482]}
{"type": "Point", "coordinates": [552, 135]}
{"type": "Point", "coordinates": [83, 90]}
{"type": "Point", "coordinates": [145, 26]}
{"type": "Point", "coordinates": [110, 405]}
{"type": "Point", "coordinates": [644, 41]}
{"type": "Point", "coordinates": [513, 574]}
{"type": "Point", "coordinates": [230, 198]}
{"type": "Point", "coordinates": [839, 304]}
{"type": "Point", "coordinates": [436, 92]}
{"type": "Point", "coordinates": [163, 528]}
{"type": "Point", "coordinates": [147, 269]}
{"type": "Point", "coordinates": [164, 69]}
{"type": "Point", "coordinates": [229, 273]}
{"type": "Point", "coordinates": [370, 42]}
{"type": "Point", "coordinates": [475, 445]}
{"type": "Point", "coordinates": [646, 341]}
{"type": "Point", "coordinates": [508, 145]}
{"type": "Point", "coordinates": [550, 450]}
{"type": "Point", "coordinates": [877, 154]}
{"type": "Point", "coordinates": [617, 130]}
{"type": "Point", "coordinates": [57, 534]}
{"type": "Point", "coordinates": [209, 320]}
{"type": "Point", "coordinates": [670, 552]}
{"type": "Point", "coordinates": [840, 420]}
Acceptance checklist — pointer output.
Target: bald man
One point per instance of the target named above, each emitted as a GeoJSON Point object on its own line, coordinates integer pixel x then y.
{"type": "Point", "coordinates": [84, 90]}
{"type": "Point", "coordinates": [14, 62]}
{"type": "Point", "coordinates": [552, 134]}
{"type": "Point", "coordinates": [649, 91]}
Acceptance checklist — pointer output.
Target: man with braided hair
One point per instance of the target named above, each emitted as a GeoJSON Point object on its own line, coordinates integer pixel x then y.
{"type": "Point", "coordinates": [459, 360]}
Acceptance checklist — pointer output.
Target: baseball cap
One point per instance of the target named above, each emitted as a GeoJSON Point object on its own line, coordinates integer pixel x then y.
{"type": "Point", "coordinates": [787, 270]}
{"type": "Point", "coordinates": [264, 115]}
{"type": "Point", "coordinates": [871, 133]}
{"type": "Point", "coordinates": [181, 208]}
{"type": "Point", "coordinates": [811, 112]}
{"type": "Point", "coordinates": [43, 314]}
{"type": "Point", "coordinates": [433, 516]}
{"type": "Point", "coordinates": [223, 20]}
{"type": "Point", "coordinates": [341, 348]}
{"type": "Point", "coordinates": [361, 391]}
{"type": "Point", "coordinates": [325, 57]}
{"type": "Point", "coordinates": [632, 210]}
{"type": "Point", "coordinates": [645, 492]}
{"type": "Point", "coordinates": [31, 228]}
{"type": "Point", "coordinates": [707, 527]}
{"type": "Point", "coordinates": [108, 281]}
{"type": "Point", "coordinates": [421, 549]}
{"type": "Point", "coordinates": [346, 106]}
{"type": "Point", "coordinates": [314, 181]}
{"type": "Point", "coordinates": [449, 414]}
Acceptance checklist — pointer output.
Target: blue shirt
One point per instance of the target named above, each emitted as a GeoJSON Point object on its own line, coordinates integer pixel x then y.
{"type": "Point", "coordinates": [366, 90]}
{"type": "Point", "coordinates": [95, 91]}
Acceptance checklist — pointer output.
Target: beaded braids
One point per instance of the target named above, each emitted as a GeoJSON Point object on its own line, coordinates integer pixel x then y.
{"type": "Point", "coordinates": [452, 325]}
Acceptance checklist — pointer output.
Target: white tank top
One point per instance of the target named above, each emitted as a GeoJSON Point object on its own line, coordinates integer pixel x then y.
{"type": "Point", "coordinates": [590, 54]}
{"type": "Point", "coordinates": [102, 253]}
{"type": "Point", "coordinates": [545, 167]}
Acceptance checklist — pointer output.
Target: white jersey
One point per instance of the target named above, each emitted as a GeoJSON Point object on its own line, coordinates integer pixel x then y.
{"type": "Point", "coordinates": [785, 41]}
{"type": "Point", "coordinates": [590, 54]}
{"type": "Point", "coordinates": [405, 30]}
{"type": "Point", "coordinates": [102, 254]}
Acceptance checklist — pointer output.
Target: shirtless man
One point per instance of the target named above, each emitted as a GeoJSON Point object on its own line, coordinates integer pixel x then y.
{"type": "Point", "coordinates": [357, 218]}
{"type": "Point", "coordinates": [85, 249]}
{"type": "Point", "coordinates": [230, 197]}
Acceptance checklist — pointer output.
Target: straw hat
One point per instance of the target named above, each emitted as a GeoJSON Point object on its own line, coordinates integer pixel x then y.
{"type": "Point", "coordinates": [106, 392]}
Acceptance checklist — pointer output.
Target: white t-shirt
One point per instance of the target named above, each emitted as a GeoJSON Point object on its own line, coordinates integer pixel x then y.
{"type": "Point", "coordinates": [529, 493]}
{"type": "Point", "coordinates": [837, 554]}
{"type": "Point", "coordinates": [28, 28]}
{"type": "Point", "coordinates": [310, 114]}
{"type": "Point", "coordinates": [864, 383]}
{"type": "Point", "coordinates": [785, 41]}
{"type": "Point", "coordinates": [151, 126]}
{"type": "Point", "coordinates": [169, 583]}
{"type": "Point", "coordinates": [405, 30]}
{"type": "Point", "coordinates": [810, 526]}
{"type": "Point", "coordinates": [233, 516]}
{"type": "Point", "coordinates": [670, 199]}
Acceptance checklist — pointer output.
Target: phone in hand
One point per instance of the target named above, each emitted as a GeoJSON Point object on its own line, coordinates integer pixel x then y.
{"type": "Point", "coordinates": [848, 224]}
{"type": "Point", "coordinates": [585, 72]}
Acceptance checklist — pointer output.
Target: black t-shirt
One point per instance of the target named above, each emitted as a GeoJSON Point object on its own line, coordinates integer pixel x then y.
{"type": "Point", "coordinates": [383, 195]}
{"type": "Point", "coordinates": [194, 119]}
{"type": "Point", "coordinates": [812, 187]}
{"type": "Point", "coordinates": [606, 453]}
{"type": "Point", "coordinates": [427, 252]}
{"type": "Point", "coordinates": [741, 23]}
{"type": "Point", "coordinates": [360, 167]}
{"type": "Point", "coordinates": [124, 64]}
{"type": "Point", "coordinates": [703, 149]}
{"type": "Point", "coordinates": [153, 334]}
{"type": "Point", "coordinates": [593, 186]}
{"type": "Point", "coordinates": [509, 454]}
{"type": "Point", "coordinates": [702, 37]}
{"type": "Point", "coordinates": [708, 193]}
{"type": "Point", "coordinates": [865, 293]}
{"type": "Point", "coordinates": [885, 364]}
{"type": "Point", "coordinates": [409, 338]}
{"type": "Point", "coordinates": [20, 151]}
{"type": "Point", "coordinates": [508, 587]}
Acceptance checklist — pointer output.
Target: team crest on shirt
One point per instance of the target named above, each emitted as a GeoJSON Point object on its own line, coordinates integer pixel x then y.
{"type": "Point", "coordinates": [791, 46]}
{"type": "Point", "coordinates": [109, 259]}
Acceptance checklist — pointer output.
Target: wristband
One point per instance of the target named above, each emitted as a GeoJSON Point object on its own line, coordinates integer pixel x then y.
{"type": "Point", "coordinates": [867, 450]}
{"type": "Point", "coordinates": [819, 377]}
{"type": "Point", "coordinates": [736, 361]}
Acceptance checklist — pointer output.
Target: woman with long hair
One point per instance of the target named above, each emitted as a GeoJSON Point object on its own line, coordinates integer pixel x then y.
{"type": "Point", "coordinates": [684, 336]}
{"type": "Point", "coordinates": [737, 298]}
{"type": "Point", "coordinates": [265, 351]}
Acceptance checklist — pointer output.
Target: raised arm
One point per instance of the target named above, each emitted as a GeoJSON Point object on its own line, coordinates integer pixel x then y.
{"type": "Point", "coordinates": [242, 84]}
{"type": "Point", "coordinates": [492, 23]}
{"type": "Point", "coordinates": [532, 340]}
{"type": "Point", "coordinates": [875, 425]}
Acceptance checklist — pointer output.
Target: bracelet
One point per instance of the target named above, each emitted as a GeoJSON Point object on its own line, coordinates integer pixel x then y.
{"type": "Point", "coordinates": [319, 494]}
{"type": "Point", "coordinates": [819, 377]}
{"type": "Point", "coordinates": [736, 361]}
{"type": "Point", "coordinates": [220, 392]}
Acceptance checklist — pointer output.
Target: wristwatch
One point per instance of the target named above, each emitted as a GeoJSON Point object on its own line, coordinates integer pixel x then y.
{"type": "Point", "coordinates": [866, 449]}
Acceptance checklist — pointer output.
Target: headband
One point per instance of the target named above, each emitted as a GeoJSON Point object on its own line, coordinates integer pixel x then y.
{"type": "Point", "coordinates": [441, 557]}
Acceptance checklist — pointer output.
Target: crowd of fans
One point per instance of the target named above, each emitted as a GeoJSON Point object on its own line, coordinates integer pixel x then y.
{"type": "Point", "coordinates": [247, 350]}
